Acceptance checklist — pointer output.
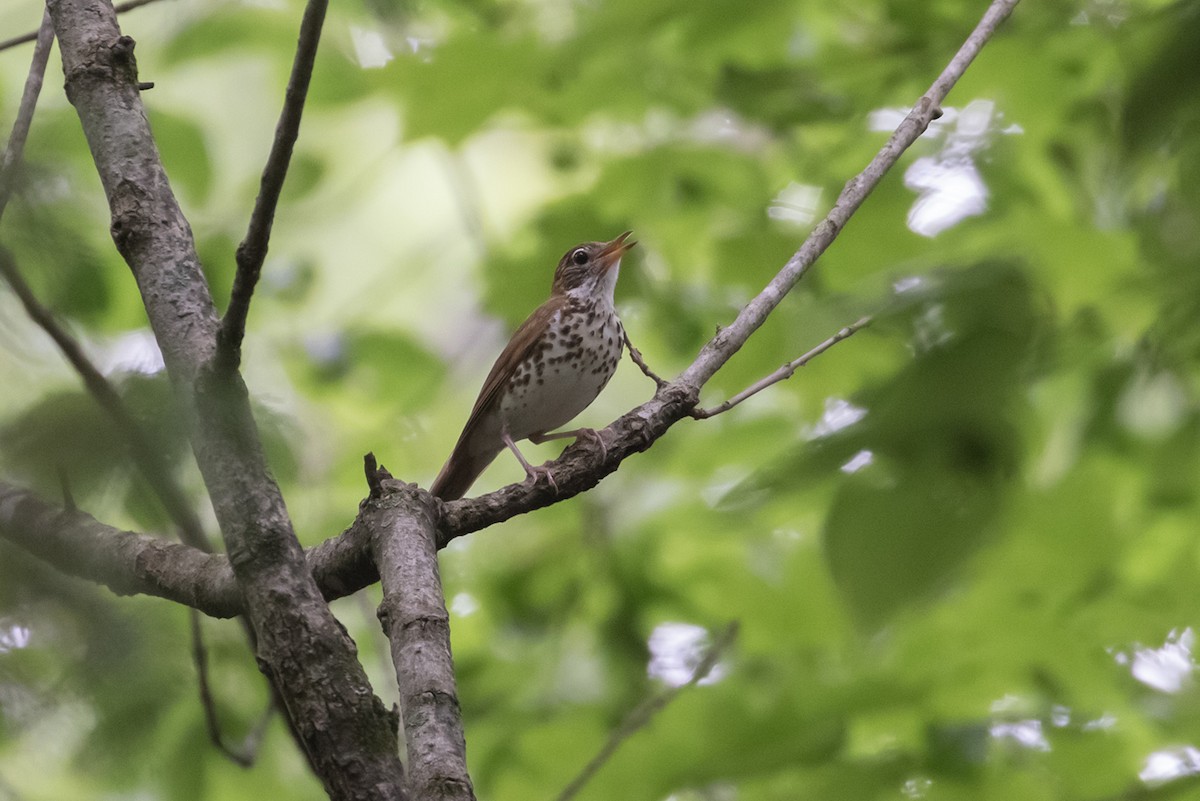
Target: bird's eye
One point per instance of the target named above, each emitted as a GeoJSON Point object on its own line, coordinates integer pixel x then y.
{"type": "Point", "coordinates": [580, 256]}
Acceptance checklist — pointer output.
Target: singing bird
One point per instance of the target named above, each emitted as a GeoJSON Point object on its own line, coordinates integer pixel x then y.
{"type": "Point", "coordinates": [551, 370]}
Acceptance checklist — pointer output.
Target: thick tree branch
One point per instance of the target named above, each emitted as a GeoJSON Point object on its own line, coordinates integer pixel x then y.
{"type": "Point", "coordinates": [342, 565]}
{"type": "Point", "coordinates": [126, 563]}
{"type": "Point", "coordinates": [253, 250]}
{"type": "Point", "coordinates": [130, 563]}
{"type": "Point", "coordinates": [301, 646]}
{"type": "Point", "coordinates": [413, 614]}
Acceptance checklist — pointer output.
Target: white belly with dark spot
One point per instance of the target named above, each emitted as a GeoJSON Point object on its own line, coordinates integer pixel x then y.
{"type": "Point", "coordinates": [549, 389]}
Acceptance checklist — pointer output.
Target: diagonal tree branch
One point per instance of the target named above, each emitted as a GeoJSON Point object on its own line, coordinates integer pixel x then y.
{"type": "Point", "coordinates": [245, 754]}
{"type": "Point", "coordinates": [730, 339]}
{"type": "Point", "coordinates": [15, 149]}
{"type": "Point", "coordinates": [342, 565]}
{"type": "Point", "coordinates": [347, 733]}
{"type": "Point", "coordinates": [24, 38]}
{"type": "Point", "coordinates": [252, 252]}
{"type": "Point", "coordinates": [644, 712]}
{"type": "Point", "coordinates": [146, 455]}
{"type": "Point", "coordinates": [783, 373]}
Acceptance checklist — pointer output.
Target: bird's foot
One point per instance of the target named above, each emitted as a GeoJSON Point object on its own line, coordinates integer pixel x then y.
{"type": "Point", "coordinates": [578, 433]}
{"type": "Point", "coordinates": [532, 474]}
{"type": "Point", "coordinates": [593, 435]}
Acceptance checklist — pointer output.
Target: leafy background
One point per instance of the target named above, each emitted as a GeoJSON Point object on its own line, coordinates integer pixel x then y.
{"type": "Point", "coordinates": [961, 546]}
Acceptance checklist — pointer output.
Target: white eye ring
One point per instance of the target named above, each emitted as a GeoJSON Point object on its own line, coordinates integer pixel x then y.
{"type": "Point", "coordinates": [580, 256]}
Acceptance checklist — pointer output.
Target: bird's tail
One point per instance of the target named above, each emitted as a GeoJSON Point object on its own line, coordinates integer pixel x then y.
{"type": "Point", "coordinates": [465, 465]}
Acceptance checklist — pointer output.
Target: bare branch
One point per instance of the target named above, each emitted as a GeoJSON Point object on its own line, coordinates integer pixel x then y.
{"type": "Point", "coordinates": [345, 729]}
{"type": "Point", "coordinates": [15, 148]}
{"type": "Point", "coordinates": [413, 614]}
{"type": "Point", "coordinates": [645, 712]}
{"type": "Point", "coordinates": [5, 44]}
{"type": "Point", "coordinates": [342, 565]}
{"type": "Point", "coordinates": [148, 457]}
{"type": "Point", "coordinates": [577, 469]}
{"type": "Point", "coordinates": [252, 252]}
{"type": "Point", "coordinates": [245, 754]}
{"type": "Point", "coordinates": [783, 373]}
{"type": "Point", "coordinates": [125, 562]}
{"type": "Point", "coordinates": [636, 355]}
{"type": "Point", "coordinates": [130, 563]}
{"type": "Point", "coordinates": [731, 338]}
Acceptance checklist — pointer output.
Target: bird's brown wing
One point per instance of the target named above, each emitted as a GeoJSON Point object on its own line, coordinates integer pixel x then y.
{"type": "Point", "coordinates": [471, 454]}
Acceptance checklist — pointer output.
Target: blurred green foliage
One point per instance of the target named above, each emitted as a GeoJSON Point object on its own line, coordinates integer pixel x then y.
{"type": "Point", "coordinates": [962, 545]}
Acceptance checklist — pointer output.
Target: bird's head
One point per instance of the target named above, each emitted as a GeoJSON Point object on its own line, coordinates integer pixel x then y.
{"type": "Point", "coordinates": [589, 271]}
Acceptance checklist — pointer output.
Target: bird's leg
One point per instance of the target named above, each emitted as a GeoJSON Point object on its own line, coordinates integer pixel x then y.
{"type": "Point", "coordinates": [531, 472]}
{"type": "Point", "coordinates": [579, 433]}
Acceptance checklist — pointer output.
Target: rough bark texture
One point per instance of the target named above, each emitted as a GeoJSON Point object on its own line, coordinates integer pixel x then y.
{"type": "Point", "coordinates": [413, 614]}
{"type": "Point", "coordinates": [342, 723]}
{"type": "Point", "coordinates": [129, 563]}
{"type": "Point", "coordinates": [344, 727]}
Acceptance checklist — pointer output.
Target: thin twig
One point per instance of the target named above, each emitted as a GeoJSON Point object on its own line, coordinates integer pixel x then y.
{"type": "Point", "coordinates": [636, 355]}
{"type": "Point", "coordinates": [246, 754]}
{"type": "Point", "coordinates": [5, 44]}
{"type": "Point", "coordinates": [15, 149]}
{"type": "Point", "coordinates": [252, 252]}
{"type": "Point", "coordinates": [644, 712]}
{"type": "Point", "coordinates": [731, 338]}
{"type": "Point", "coordinates": [146, 455]}
{"type": "Point", "coordinates": [784, 372]}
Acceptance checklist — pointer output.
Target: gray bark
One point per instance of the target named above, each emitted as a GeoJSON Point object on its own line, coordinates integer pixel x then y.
{"type": "Point", "coordinates": [301, 647]}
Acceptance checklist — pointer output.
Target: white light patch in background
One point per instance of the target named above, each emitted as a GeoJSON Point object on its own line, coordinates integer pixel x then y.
{"type": "Point", "coordinates": [858, 461]}
{"type": "Point", "coordinates": [370, 49]}
{"type": "Point", "coordinates": [1167, 669]}
{"type": "Point", "coordinates": [676, 649]}
{"type": "Point", "coordinates": [464, 605]}
{"type": "Point", "coordinates": [838, 414]}
{"type": "Point", "coordinates": [131, 352]}
{"type": "Point", "coordinates": [795, 204]}
{"type": "Point", "coordinates": [13, 637]}
{"type": "Point", "coordinates": [1171, 764]}
{"type": "Point", "coordinates": [949, 185]}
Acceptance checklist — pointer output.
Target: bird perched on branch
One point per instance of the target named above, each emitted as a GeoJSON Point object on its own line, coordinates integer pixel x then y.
{"type": "Point", "coordinates": [551, 370]}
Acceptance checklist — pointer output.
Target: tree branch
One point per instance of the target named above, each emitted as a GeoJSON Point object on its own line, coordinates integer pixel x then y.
{"type": "Point", "coordinates": [346, 731]}
{"type": "Point", "coordinates": [644, 712]}
{"type": "Point", "coordinates": [730, 339]}
{"type": "Point", "coordinates": [120, 8]}
{"type": "Point", "coordinates": [636, 355]}
{"type": "Point", "coordinates": [783, 373]}
{"type": "Point", "coordinates": [15, 148]}
{"type": "Point", "coordinates": [129, 563]}
{"type": "Point", "coordinates": [252, 252]}
{"type": "Point", "coordinates": [342, 565]}
{"type": "Point", "coordinates": [146, 455]}
{"type": "Point", "coordinates": [413, 614]}
{"type": "Point", "coordinates": [246, 754]}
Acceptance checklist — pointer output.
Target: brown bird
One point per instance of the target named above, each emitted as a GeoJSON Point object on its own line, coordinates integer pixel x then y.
{"type": "Point", "coordinates": [551, 370]}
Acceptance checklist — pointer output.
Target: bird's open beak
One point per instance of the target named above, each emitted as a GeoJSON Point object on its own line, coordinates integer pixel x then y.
{"type": "Point", "coordinates": [612, 251]}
